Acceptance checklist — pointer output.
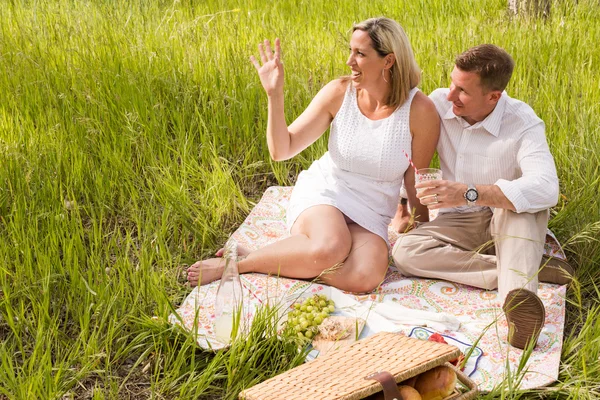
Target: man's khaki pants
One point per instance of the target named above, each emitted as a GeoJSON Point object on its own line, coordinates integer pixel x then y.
{"type": "Point", "coordinates": [489, 250]}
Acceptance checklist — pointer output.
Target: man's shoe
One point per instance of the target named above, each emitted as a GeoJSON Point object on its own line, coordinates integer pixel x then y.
{"type": "Point", "coordinates": [525, 315]}
{"type": "Point", "coordinates": [555, 270]}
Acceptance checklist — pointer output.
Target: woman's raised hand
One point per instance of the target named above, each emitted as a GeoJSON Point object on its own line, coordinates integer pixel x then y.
{"type": "Point", "coordinates": [271, 71]}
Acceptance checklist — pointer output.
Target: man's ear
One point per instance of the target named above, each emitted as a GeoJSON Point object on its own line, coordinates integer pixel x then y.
{"type": "Point", "coordinates": [390, 59]}
{"type": "Point", "coordinates": [494, 96]}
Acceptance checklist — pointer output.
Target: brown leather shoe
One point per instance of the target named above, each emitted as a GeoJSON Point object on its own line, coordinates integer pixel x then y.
{"type": "Point", "coordinates": [525, 315]}
{"type": "Point", "coordinates": [555, 270]}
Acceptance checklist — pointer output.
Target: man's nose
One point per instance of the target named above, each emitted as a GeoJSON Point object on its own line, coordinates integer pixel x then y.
{"type": "Point", "coordinates": [452, 94]}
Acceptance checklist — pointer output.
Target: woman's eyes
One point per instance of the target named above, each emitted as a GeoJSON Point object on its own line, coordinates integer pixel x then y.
{"type": "Point", "coordinates": [358, 52]}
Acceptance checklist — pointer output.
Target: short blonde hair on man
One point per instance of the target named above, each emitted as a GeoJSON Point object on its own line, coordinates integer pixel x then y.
{"type": "Point", "coordinates": [389, 37]}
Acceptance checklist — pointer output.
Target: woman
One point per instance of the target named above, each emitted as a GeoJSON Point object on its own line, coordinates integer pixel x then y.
{"type": "Point", "coordinates": [341, 206]}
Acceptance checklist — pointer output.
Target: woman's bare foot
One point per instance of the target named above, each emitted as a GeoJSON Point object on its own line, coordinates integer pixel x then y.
{"type": "Point", "coordinates": [205, 271]}
{"type": "Point", "coordinates": [241, 251]}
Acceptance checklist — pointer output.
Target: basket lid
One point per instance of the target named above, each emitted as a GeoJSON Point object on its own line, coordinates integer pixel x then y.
{"type": "Point", "coordinates": [341, 374]}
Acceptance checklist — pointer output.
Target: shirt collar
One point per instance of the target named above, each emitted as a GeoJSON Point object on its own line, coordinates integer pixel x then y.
{"type": "Point", "coordinates": [491, 123]}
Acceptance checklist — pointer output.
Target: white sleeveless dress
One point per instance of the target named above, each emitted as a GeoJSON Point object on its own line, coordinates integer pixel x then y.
{"type": "Point", "coordinates": [362, 173]}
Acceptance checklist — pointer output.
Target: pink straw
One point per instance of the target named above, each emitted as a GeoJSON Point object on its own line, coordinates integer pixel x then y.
{"type": "Point", "coordinates": [410, 161]}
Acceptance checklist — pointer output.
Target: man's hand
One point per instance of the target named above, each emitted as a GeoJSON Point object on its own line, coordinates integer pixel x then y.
{"type": "Point", "coordinates": [441, 194]}
{"type": "Point", "coordinates": [447, 194]}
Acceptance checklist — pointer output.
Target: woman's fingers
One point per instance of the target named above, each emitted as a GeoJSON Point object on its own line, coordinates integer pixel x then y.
{"type": "Point", "coordinates": [263, 57]}
{"type": "Point", "coordinates": [266, 54]}
{"type": "Point", "coordinates": [254, 62]}
{"type": "Point", "coordinates": [277, 48]}
{"type": "Point", "coordinates": [268, 50]}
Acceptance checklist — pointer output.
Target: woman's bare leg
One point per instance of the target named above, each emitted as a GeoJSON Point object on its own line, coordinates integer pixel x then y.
{"type": "Point", "coordinates": [320, 239]}
{"type": "Point", "coordinates": [241, 251]}
{"type": "Point", "coordinates": [365, 267]}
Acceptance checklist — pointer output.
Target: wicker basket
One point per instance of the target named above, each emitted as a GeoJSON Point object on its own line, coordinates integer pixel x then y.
{"type": "Point", "coordinates": [343, 374]}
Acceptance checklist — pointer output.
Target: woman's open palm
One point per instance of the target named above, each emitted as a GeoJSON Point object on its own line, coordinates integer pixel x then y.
{"type": "Point", "coordinates": [271, 71]}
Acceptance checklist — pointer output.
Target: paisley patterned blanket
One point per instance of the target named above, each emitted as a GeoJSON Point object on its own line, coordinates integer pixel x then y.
{"type": "Point", "coordinates": [481, 320]}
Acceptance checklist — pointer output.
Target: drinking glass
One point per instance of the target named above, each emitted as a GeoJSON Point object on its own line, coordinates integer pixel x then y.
{"type": "Point", "coordinates": [424, 175]}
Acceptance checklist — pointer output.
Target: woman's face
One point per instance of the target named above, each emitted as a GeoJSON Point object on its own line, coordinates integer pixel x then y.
{"type": "Point", "coordinates": [366, 64]}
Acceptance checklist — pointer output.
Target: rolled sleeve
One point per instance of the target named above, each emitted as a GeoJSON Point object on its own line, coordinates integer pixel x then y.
{"type": "Point", "coordinates": [513, 193]}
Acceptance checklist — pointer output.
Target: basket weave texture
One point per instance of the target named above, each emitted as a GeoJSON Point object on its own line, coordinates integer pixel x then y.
{"type": "Point", "coordinates": [341, 374]}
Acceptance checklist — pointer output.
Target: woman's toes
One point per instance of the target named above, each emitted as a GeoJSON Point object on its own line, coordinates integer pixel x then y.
{"type": "Point", "coordinates": [241, 251]}
{"type": "Point", "coordinates": [203, 272]}
{"type": "Point", "coordinates": [193, 273]}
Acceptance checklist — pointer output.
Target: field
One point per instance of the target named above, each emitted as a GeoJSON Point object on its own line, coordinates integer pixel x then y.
{"type": "Point", "coordinates": [132, 142]}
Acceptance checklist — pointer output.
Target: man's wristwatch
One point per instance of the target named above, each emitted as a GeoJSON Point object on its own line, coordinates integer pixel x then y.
{"type": "Point", "coordinates": [471, 195]}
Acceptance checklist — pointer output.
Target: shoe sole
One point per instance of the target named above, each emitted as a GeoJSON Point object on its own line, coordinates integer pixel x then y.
{"type": "Point", "coordinates": [556, 271]}
{"type": "Point", "coordinates": [520, 305]}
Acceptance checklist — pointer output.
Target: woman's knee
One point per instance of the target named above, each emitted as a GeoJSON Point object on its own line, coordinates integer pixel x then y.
{"type": "Point", "coordinates": [328, 253]}
{"type": "Point", "coordinates": [369, 274]}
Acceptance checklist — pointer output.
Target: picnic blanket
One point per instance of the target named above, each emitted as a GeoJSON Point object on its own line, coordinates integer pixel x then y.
{"type": "Point", "coordinates": [481, 319]}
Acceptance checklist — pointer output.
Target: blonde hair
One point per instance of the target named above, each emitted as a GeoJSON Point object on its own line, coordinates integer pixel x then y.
{"type": "Point", "coordinates": [389, 37]}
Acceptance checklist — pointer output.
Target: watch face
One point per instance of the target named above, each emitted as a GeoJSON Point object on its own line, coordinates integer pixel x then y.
{"type": "Point", "coordinates": [471, 195]}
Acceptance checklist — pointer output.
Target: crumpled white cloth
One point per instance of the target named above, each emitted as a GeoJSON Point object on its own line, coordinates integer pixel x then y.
{"type": "Point", "coordinates": [385, 316]}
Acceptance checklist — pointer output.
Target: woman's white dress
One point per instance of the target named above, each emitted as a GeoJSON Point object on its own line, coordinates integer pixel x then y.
{"type": "Point", "coordinates": [362, 173]}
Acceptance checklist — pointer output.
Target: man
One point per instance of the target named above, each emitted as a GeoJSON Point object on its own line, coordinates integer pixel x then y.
{"type": "Point", "coordinates": [499, 182]}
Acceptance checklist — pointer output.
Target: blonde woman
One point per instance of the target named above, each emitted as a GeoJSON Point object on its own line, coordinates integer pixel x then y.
{"type": "Point", "coordinates": [341, 206]}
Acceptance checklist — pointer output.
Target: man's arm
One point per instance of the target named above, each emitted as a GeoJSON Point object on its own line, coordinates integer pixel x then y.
{"type": "Point", "coordinates": [535, 190]}
{"type": "Point", "coordinates": [451, 194]}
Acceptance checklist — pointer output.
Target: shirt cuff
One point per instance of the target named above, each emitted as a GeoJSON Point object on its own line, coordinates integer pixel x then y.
{"type": "Point", "coordinates": [513, 193]}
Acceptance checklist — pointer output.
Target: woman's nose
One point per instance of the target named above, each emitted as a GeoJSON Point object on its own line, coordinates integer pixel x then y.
{"type": "Point", "coordinates": [350, 60]}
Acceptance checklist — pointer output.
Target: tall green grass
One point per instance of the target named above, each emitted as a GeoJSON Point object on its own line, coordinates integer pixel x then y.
{"type": "Point", "coordinates": [132, 142]}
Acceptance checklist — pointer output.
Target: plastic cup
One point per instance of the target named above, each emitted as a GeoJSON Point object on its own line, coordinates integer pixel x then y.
{"type": "Point", "coordinates": [424, 175]}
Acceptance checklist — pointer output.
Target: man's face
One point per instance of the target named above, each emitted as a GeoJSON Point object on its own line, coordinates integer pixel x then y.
{"type": "Point", "coordinates": [470, 100]}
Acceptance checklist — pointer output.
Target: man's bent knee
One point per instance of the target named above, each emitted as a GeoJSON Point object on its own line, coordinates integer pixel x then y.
{"type": "Point", "coordinates": [401, 252]}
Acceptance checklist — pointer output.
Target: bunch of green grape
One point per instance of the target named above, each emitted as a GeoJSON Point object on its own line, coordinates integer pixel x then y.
{"type": "Point", "coordinates": [306, 317]}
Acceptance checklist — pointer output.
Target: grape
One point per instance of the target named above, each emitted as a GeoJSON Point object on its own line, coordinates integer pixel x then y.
{"type": "Point", "coordinates": [305, 317]}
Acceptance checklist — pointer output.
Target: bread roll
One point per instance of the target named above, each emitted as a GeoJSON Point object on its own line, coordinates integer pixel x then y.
{"type": "Point", "coordinates": [407, 393]}
{"type": "Point", "coordinates": [437, 383]}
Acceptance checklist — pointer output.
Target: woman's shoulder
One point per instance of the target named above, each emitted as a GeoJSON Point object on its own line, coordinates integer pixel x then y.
{"type": "Point", "coordinates": [423, 106]}
{"type": "Point", "coordinates": [337, 87]}
{"type": "Point", "coordinates": [331, 96]}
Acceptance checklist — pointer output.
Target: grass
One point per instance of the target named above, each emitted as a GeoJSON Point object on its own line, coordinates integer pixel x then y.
{"type": "Point", "coordinates": [132, 142]}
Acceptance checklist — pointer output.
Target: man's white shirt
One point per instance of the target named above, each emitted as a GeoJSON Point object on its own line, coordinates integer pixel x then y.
{"type": "Point", "coordinates": [507, 149]}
